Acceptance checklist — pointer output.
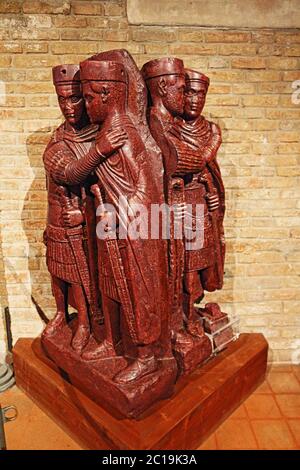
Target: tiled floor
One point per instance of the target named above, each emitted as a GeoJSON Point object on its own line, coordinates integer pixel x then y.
{"type": "Point", "coordinates": [268, 419]}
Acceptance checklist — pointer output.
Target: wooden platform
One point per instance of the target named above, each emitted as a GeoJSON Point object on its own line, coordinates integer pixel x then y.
{"type": "Point", "coordinates": [200, 403]}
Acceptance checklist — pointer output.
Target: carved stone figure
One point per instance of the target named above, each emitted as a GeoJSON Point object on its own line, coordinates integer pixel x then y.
{"type": "Point", "coordinates": [165, 79]}
{"type": "Point", "coordinates": [128, 361]}
{"type": "Point", "coordinates": [131, 311]}
{"type": "Point", "coordinates": [204, 267]}
{"type": "Point", "coordinates": [66, 233]}
{"type": "Point", "coordinates": [137, 329]}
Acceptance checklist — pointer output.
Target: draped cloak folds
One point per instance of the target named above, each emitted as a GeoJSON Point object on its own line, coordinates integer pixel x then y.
{"type": "Point", "coordinates": [129, 174]}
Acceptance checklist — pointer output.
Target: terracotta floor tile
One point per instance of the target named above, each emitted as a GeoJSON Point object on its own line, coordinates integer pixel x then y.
{"type": "Point", "coordinates": [263, 388]}
{"type": "Point", "coordinates": [283, 382]}
{"type": "Point", "coordinates": [33, 429]}
{"type": "Point", "coordinates": [262, 406]}
{"type": "Point", "coordinates": [209, 444]}
{"type": "Point", "coordinates": [295, 427]}
{"type": "Point", "coordinates": [273, 434]}
{"type": "Point", "coordinates": [289, 405]}
{"type": "Point", "coordinates": [239, 413]}
{"type": "Point", "coordinates": [279, 368]}
{"type": "Point", "coordinates": [235, 434]}
{"type": "Point", "coordinates": [296, 370]}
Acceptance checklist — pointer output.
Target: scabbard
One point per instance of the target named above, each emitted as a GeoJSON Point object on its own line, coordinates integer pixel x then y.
{"type": "Point", "coordinates": [119, 274]}
{"type": "Point", "coordinates": [122, 286]}
{"type": "Point", "coordinates": [75, 236]}
{"type": "Point", "coordinates": [216, 233]}
{"type": "Point", "coordinates": [176, 254]}
{"type": "Point", "coordinates": [217, 240]}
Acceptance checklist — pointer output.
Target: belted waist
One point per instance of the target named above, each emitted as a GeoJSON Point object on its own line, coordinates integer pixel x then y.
{"type": "Point", "coordinates": [61, 234]}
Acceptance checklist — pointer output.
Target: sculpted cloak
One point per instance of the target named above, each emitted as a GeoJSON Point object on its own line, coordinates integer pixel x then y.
{"type": "Point", "coordinates": [67, 147]}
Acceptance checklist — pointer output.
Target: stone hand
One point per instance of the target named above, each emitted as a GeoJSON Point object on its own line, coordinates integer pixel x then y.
{"type": "Point", "coordinates": [114, 139]}
{"type": "Point", "coordinates": [108, 221]}
{"type": "Point", "coordinates": [72, 217]}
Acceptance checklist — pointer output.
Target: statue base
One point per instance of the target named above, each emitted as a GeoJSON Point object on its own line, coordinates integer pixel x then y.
{"type": "Point", "coordinates": [96, 377]}
{"type": "Point", "coordinates": [200, 403]}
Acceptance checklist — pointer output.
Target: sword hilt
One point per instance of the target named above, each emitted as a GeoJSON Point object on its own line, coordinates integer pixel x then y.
{"type": "Point", "coordinates": [96, 191]}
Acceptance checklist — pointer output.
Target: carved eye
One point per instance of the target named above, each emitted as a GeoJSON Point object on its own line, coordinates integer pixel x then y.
{"type": "Point", "coordinates": [61, 99]}
{"type": "Point", "coordinates": [75, 99]}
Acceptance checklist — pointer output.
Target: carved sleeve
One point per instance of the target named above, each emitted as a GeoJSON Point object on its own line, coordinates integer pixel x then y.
{"type": "Point", "coordinates": [189, 160]}
{"type": "Point", "coordinates": [61, 164]}
{"type": "Point", "coordinates": [211, 149]}
{"type": "Point", "coordinates": [167, 148]}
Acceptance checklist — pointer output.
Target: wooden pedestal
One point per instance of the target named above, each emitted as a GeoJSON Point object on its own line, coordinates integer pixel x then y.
{"type": "Point", "coordinates": [199, 405]}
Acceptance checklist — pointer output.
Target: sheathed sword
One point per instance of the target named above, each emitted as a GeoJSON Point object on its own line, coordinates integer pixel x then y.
{"type": "Point", "coordinates": [205, 179]}
{"type": "Point", "coordinates": [118, 270]}
{"type": "Point", "coordinates": [75, 237]}
{"type": "Point", "coordinates": [177, 249]}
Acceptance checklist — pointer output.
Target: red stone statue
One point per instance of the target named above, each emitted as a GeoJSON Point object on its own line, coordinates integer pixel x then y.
{"type": "Point", "coordinates": [136, 328]}
{"type": "Point", "coordinates": [166, 81]}
{"type": "Point", "coordinates": [131, 311]}
{"type": "Point", "coordinates": [204, 267]}
{"type": "Point", "coordinates": [66, 258]}
{"type": "Point", "coordinates": [65, 235]}
{"type": "Point", "coordinates": [128, 362]}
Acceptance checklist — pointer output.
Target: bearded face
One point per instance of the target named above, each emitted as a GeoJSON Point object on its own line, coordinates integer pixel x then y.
{"type": "Point", "coordinates": [100, 98]}
{"type": "Point", "coordinates": [173, 98]}
{"type": "Point", "coordinates": [93, 103]}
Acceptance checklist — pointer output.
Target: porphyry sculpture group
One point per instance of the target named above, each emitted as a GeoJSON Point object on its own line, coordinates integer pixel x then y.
{"type": "Point", "coordinates": [134, 145]}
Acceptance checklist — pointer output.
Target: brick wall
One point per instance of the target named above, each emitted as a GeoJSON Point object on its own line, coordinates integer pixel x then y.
{"type": "Point", "coordinates": [250, 97]}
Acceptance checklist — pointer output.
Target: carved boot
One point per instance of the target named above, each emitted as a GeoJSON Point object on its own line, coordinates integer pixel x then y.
{"type": "Point", "coordinates": [81, 338]}
{"type": "Point", "coordinates": [138, 369]}
{"type": "Point", "coordinates": [56, 324]}
{"type": "Point", "coordinates": [105, 349]}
